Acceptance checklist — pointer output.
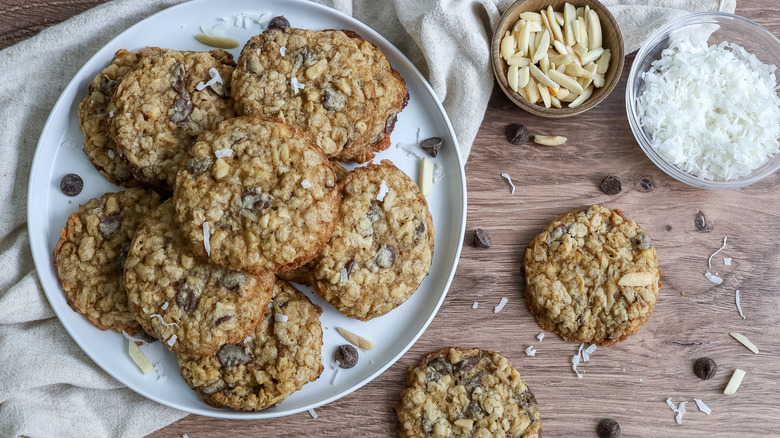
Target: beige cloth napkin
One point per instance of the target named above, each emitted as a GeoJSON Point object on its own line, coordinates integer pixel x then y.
{"type": "Point", "coordinates": [48, 386]}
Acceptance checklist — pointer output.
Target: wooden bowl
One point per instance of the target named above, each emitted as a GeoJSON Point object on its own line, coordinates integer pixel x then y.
{"type": "Point", "coordinates": [612, 39]}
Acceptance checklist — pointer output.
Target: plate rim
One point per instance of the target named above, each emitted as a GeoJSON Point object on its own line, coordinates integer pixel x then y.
{"type": "Point", "coordinates": [234, 414]}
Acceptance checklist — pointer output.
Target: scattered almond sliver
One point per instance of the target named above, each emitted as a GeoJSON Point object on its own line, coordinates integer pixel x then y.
{"type": "Point", "coordinates": [744, 341]}
{"type": "Point", "coordinates": [217, 41]}
{"type": "Point", "coordinates": [734, 382]}
{"type": "Point", "coordinates": [358, 341]}
{"type": "Point", "coordinates": [549, 140]}
{"type": "Point", "coordinates": [139, 358]}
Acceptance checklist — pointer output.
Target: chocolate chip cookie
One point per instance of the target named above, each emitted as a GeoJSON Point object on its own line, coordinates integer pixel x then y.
{"type": "Point", "coordinates": [264, 196]}
{"type": "Point", "coordinates": [278, 358]}
{"type": "Point", "coordinates": [592, 276]}
{"type": "Point", "coordinates": [391, 98]}
{"type": "Point", "coordinates": [162, 105]}
{"type": "Point", "coordinates": [382, 247]}
{"type": "Point", "coordinates": [93, 119]}
{"type": "Point", "coordinates": [467, 393]}
{"type": "Point", "coordinates": [181, 299]}
{"type": "Point", "coordinates": [89, 257]}
{"type": "Point", "coordinates": [318, 81]}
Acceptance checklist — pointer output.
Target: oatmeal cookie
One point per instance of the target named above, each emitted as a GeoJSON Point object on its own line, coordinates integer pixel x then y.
{"type": "Point", "coordinates": [391, 98]}
{"type": "Point", "coordinates": [467, 393]}
{"type": "Point", "coordinates": [162, 105]}
{"type": "Point", "coordinates": [181, 299]}
{"type": "Point", "coordinates": [592, 276]}
{"type": "Point", "coordinates": [318, 81]}
{"type": "Point", "coordinates": [89, 257]}
{"type": "Point", "coordinates": [381, 250]}
{"type": "Point", "coordinates": [277, 359]}
{"type": "Point", "coordinates": [93, 116]}
{"type": "Point", "coordinates": [271, 202]}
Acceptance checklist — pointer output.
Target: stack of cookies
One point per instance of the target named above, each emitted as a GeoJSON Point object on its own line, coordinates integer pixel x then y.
{"type": "Point", "coordinates": [250, 153]}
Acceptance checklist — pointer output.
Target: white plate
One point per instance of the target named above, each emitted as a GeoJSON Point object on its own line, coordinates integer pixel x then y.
{"type": "Point", "coordinates": [59, 152]}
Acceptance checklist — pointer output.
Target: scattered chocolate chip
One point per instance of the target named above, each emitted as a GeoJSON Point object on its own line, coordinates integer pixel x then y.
{"type": "Point", "coordinates": [178, 73]}
{"type": "Point", "coordinates": [71, 184]}
{"type": "Point", "coordinates": [608, 428]}
{"type": "Point", "coordinates": [349, 266]}
{"type": "Point", "coordinates": [303, 56]}
{"type": "Point", "coordinates": [558, 232]}
{"type": "Point", "coordinates": [438, 368]}
{"type": "Point", "coordinates": [467, 363]}
{"type": "Point", "coordinates": [232, 281]}
{"type": "Point", "coordinates": [279, 23]}
{"type": "Point", "coordinates": [482, 239]}
{"type": "Point", "coordinates": [256, 201]}
{"type": "Point", "coordinates": [580, 319]}
{"type": "Point", "coordinates": [231, 355]}
{"type": "Point", "coordinates": [473, 410]}
{"type": "Point", "coordinates": [390, 122]}
{"type": "Point", "coordinates": [611, 185]}
{"type": "Point", "coordinates": [645, 185]}
{"type": "Point", "coordinates": [700, 222]}
{"type": "Point", "coordinates": [347, 356]}
{"type": "Point", "coordinates": [419, 231]}
{"type": "Point", "coordinates": [109, 224]}
{"type": "Point", "coordinates": [385, 257]}
{"type": "Point", "coordinates": [186, 298]}
{"type": "Point", "coordinates": [333, 100]}
{"type": "Point", "coordinates": [668, 228]}
{"type": "Point", "coordinates": [705, 368]}
{"type": "Point", "coordinates": [431, 145]}
{"type": "Point", "coordinates": [181, 109]}
{"type": "Point", "coordinates": [474, 382]}
{"type": "Point", "coordinates": [222, 319]}
{"type": "Point", "coordinates": [517, 134]}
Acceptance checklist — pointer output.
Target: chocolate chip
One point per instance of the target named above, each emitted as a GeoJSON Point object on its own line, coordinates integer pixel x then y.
{"type": "Point", "coordinates": [349, 266]}
{"type": "Point", "coordinates": [482, 239]}
{"type": "Point", "coordinates": [385, 257]}
{"type": "Point", "coordinates": [473, 410]}
{"type": "Point", "coordinates": [222, 319]}
{"type": "Point", "coordinates": [347, 356]}
{"type": "Point", "coordinates": [557, 233]}
{"type": "Point", "coordinates": [517, 134]}
{"type": "Point", "coordinates": [71, 184]}
{"type": "Point", "coordinates": [256, 201]}
{"type": "Point", "coordinates": [419, 231]}
{"type": "Point", "coordinates": [474, 382]}
{"type": "Point", "coordinates": [231, 355]}
{"type": "Point", "coordinates": [181, 109]}
{"type": "Point", "coordinates": [431, 145]}
{"type": "Point", "coordinates": [611, 185]}
{"type": "Point", "coordinates": [390, 122]}
{"type": "Point", "coordinates": [705, 368]}
{"type": "Point", "coordinates": [178, 73]}
{"type": "Point", "coordinates": [333, 100]}
{"type": "Point", "coordinates": [668, 228]}
{"type": "Point", "coordinates": [467, 363]}
{"type": "Point", "coordinates": [438, 368]}
{"type": "Point", "coordinates": [109, 224]}
{"type": "Point", "coordinates": [608, 428]}
{"type": "Point", "coordinates": [279, 23]}
{"type": "Point", "coordinates": [700, 222]}
{"type": "Point", "coordinates": [186, 298]}
{"type": "Point", "coordinates": [645, 185]}
{"type": "Point", "coordinates": [303, 56]}
{"type": "Point", "coordinates": [374, 212]}
{"type": "Point", "coordinates": [232, 281]}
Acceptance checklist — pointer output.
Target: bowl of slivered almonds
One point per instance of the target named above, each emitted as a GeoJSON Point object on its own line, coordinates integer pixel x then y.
{"type": "Point", "coordinates": [557, 58]}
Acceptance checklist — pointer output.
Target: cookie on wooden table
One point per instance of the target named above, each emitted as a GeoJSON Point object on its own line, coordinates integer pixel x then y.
{"type": "Point", "coordinates": [192, 306]}
{"type": "Point", "coordinates": [592, 276]}
{"type": "Point", "coordinates": [467, 393]}
{"type": "Point", "coordinates": [318, 81]}
{"type": "Point", "coordinates": [382, 247]}
{"type": "Point", "coordinates": [93, 119]}
{"type": "Point", "coordinates": [90, 255]}
{"type": "Point", "coordinates": [266, 195]}
{"type": "Point", "coordinates": [277, 359]}
{"type": "Point", "coordinates": [163, 104]}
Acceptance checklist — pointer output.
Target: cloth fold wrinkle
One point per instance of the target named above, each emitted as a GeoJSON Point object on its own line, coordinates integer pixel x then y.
{"type": "Point", "coordinates": [65, 393]}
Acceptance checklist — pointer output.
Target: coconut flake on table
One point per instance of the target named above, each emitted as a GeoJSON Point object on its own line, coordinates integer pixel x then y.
{"type": "Point", "coordinates": [679, 410]}
{"type": "Point", "coordinates": [279, 317]}
{"type": "Point", "coordinates": [222, 153]}
{"type": "Point", "coordinates": [540, 336]}
{"type": "Point", "coordinates": [709, 260]}
{"type": "Point", "coordinates": [380, 196]}
{"type": "Point", "coordinates": [313, 414]}
{"type": "Point", "coordinates": [711, 111]}
{"type": "Point", "coordinates": [215, 79]}
{"type": "Point", "coordinates": [335, 374]}
{"type": "Point", "coordinates": [206, 238]}
{"type": "Point", "coordinates": [296, 85]}
{"type": "Point", "coordinates": [475, 305]}
{"type": "Point", "coordinates": [575, 360]}
{"type": "Point", "coordinates": [713, 277]}
{"type": "Point", "coordinates": [739, 306]}
{"type": "Point", "coordinates": [306, 184]}
{"type": "Point", "coordinates": [587, 352]}
{"type": "Point", "coordinates": [727, 261]}
{"type": "Point", "coordinates": [509, 180]}
{"type": "Point", "coordinates": [501, 304]}
{"type": "Point", "coordinates": [702, 407]}
{"type": "Point", "coordinates": [530, 351]}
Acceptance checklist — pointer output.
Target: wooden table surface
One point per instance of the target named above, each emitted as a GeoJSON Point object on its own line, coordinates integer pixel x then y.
{"type": "Point", "coordinates": [629, 381]}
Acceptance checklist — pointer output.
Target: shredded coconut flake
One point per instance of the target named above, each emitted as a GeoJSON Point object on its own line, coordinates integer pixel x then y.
{"type": "Point", "coordinates": [248, 339]}
{"type": "Point", "coordinates": [296, 85]}
{"type": "Point", "coordinates": [207, 238]}
{"type": "Point", "coordinates": [306, 184]}
{"type": "Point", "coordinates": [282, 50]}
{"type": "Point", "coordinates": [509, 180]}
{"type": "Point", "coordinates": [279, 317]}
{"type": "Point", "coordinates": [162, 321]}
{"type": "Point", "coordinates": [739, 306]}
{"type": "Point", "coordinates": [164, 306]}
{"type": "Point", "coordinates": [110, 114]}
{"type": "Point", "coordinates": [171, 340]}
{"type": "Point", "coordinates": [711, 111]}
{"type": "Point", "coordinates": [709, 260]}
{"type": "Point", "coordinates": [475, 305]}
{"type": "Point", "coordinates": [587, 352]}
{"type": "Point", "coordinates": [335, 375]}
{"type": "Point", "coordinates": [501, 304]}
{"type": "Point", "coordinates": [679, 410]}
{"type": "Point", "coordinates": [713, 278]}
{"type": "Point", "coordinates": [530, 351]}
{"type": "Point", "coordinates": [344, 275]}
{"type": "Point", "coordinates": [380, 196]}
{"type": "Point", "coordinates": [215, 79]}
{"type": "Point", "coordinates": [575, 360]}
{"type": "Point", "coordinates": [313, 414]}
{"type": "Point", "coordinates": [702, 407]}
{"type": "Point", "coordinates": [222, 153]}
{"type": "Point", "coordinates": [110, 154]}
{"type": "Point", "coordinates": [540, 336]}
{"type": "Point", "coordinates": [68, 144]}
{"type": "Point", "coordinates": [727, 261]}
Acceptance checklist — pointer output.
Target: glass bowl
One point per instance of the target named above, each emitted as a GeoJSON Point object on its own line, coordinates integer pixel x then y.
{"type": "Point", "coordinates": [720, 27]}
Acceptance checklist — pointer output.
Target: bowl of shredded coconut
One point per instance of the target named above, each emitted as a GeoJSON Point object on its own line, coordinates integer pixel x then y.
{"type": "Point", "coordinates": [703, 100]}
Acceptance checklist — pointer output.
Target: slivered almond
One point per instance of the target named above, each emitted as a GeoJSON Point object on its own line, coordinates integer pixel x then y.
{"type": "Point", "coordinates": [591, 55]}
{"type": "Point", "coordinates": [594, 30]}
{"type": "Point", "coordinates": [216, 41]}
{"type": "Point", "coordinates": [541, 49]}
{"type": "Point", "coordinates": [549, 140]}
{"type": "Point", "coordinates": [565, 81]}
{"type": "Point", "coordinates": [541, 77]}
{"type": "Point", "coordinates": [638, 279]}
{"type": "Point", "coordinates": [512, 77]}
{"type": "Point", "coordinates": [519, 59]}
{"type": "Point", "coordinates": [603, 63]}
{"type": "Point", "coordinates": [744, 341]}
{"type": "Point", "coordinates": [545, 93]}
{"type": "Point", "coordinates": [139, 358]}
{"type": "Point", "coordinates": [734, 382]}
{"type": "Point", "coordinates": [582, 97]}
{"type": "Point", "coordinates": [357, 341]}
{"type": "Point", "coordinates": [531, 16]}
{"type": "Point", "coordinates": [522, 77]}
{"type": "Point", "coordinates": [507, 46]}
